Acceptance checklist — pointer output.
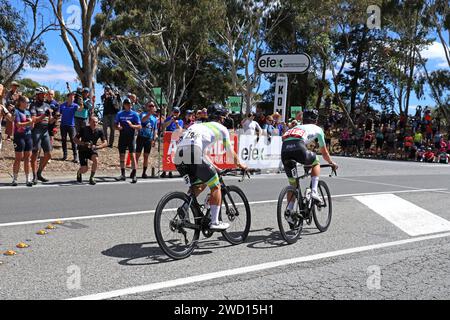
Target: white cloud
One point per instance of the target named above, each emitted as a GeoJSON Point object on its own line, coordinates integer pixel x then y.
{"type": "Point", "coordinates": [436, 55]}
{"type": "Point", "coordinates": [51, 72]}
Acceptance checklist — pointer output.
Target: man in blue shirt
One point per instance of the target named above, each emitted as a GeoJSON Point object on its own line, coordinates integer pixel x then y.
{"type": "Point", "coordinates": [67, 111]}
{"type": "Point", "coordinates": [81, 117]}
{"type": "Point", "coordinates": [147, 135]}
{"type": "Point", "coordinates": [127, 122]}
{"type": "Point", "coordinates": [173, 122]}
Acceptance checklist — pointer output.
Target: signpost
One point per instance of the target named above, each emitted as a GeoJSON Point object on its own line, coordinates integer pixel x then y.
{"type": "Point", "coordinates": [295, 110]}
{"type": "Point", "coordinates": [282, 64]}
{"type": "Point", "coordinates": [234, 103]}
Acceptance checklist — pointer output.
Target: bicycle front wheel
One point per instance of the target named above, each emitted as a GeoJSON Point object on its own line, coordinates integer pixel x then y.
{"type": "Point", "coordinates": [322, 211]}
{"type": "Point", "coordinates": [174, 226]}
{"type": "Point", "coordinates": [290, 222]}
{"type": "Point", "coordinates": [235, 210]}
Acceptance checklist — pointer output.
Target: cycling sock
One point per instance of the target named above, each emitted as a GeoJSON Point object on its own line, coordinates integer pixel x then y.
{"type": "Point", "coordinates": [92, 174]}
{"type": "Point", "coordinates": [133, 173]}
{"type": "Point", "coordinates": [123, 172]}
{"type": "Point", "coordinates": [314, 183]}
{"type": "Point", "coordinates": [144, 171]}
{"type": "Point", "coordinates": [215, 214]}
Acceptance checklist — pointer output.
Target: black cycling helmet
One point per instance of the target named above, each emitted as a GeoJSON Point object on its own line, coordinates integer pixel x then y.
{"type": "Point", "coordinates": [310, 116]}
{"type": "Point", "coordinates": [215, 111]}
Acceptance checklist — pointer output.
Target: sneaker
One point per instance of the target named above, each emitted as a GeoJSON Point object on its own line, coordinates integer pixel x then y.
{"type": "Point", "coordinates": [144, 176]}
{"type": "Point", "coordinates": [79, 178]}
{"type": "Point", "coordinates": [170, 175]}
{"type": "Point", "coordinates": [64, 158]}
{"type": "Point", "coordinates": [92, 181]}
{"type": "Point", "coordinates": [41, 178]}
{"type": "Point", "coordinates": [163, 175]}
{"type": "Point", "coordinates": [221, 226]}
{"type": "Point", "coordinates": [75, 161]}
{"type": "Point", "coordinates": [14, 183]}
{"type": "Point", "coordinates": [29, 184]}
{"type": "Point", "coordinates": [121, 178]}
{"type": "Point", "coordinates": [134, 180]}
{"type": "Point", "coordinates": [316, 196]}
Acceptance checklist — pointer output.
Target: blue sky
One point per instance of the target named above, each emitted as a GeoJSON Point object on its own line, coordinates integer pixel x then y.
{"type": "Point", "coordinates": [60, 69]}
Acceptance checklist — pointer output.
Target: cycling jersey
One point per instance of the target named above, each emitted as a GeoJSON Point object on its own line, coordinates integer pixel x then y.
{"type": "Point", "coordinates": [20, 117]}
{"type": "Point", "coordinates": [124, 116]}
{"type": "Point", "coordinates": [148, 127]}
{"type": "Point", "coordinates": [204, 134]}
{"type": "Point", "coordinates": [307, 133]}
{"type": "Point", "coordinates": [37, 109]}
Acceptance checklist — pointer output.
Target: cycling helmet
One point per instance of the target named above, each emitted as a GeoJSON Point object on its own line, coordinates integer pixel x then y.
{"type": "Point", "coordinates": [310, 116]}
{"type": "Point", "coordinates": [41, 90]}
{"type": "Point", "coordinates": [216, 110]}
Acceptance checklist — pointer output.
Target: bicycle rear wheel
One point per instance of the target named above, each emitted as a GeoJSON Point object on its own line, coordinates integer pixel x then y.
{"type": "Point", "coordinates": [291, 225]}
{"type": "Point", "coordinates": [322, 212]}
{"type": "Point", "coordinates": [173, 226]}
{"type": "Point", "coordinates": [235, 211]}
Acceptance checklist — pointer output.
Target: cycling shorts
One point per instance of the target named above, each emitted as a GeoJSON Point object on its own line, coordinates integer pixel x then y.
{"type": "Point", "coordinates": [143, 143]}
{"type": "Point", "coordinates": [127, 142]}
{"type": "Point", "coordinates": [293, 152]}
{"type": "Point", "coordinates": [41, 139]}
{"type": "Point", "coordinates": [189, 161]}
{"type": "Point", "coordinates": [86, 155]}
{"type": "Point", "coordinates": [23, 142]}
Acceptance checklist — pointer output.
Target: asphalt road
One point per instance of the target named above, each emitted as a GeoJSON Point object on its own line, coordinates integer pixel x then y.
{"type": "Point", "coordinates": [107, 248]}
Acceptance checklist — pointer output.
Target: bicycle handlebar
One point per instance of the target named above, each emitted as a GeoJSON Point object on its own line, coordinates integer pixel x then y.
{"type": "Point", "coordinates": [244, 173]}
{"type": "Point", "coordinates": [333, 171]}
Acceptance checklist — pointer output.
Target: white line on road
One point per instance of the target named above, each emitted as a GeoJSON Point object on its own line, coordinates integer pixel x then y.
{"type": "Point", "coordinates": [249, 269]}
{"type": "Point", "coordinates": [412, 219]}
{"type": "Point", "coordinates": [135, 213]}
{"type": "Point", "coordinates": [378, 183]}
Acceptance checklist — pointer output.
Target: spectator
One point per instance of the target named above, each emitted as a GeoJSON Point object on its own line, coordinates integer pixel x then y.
{"type": "Point", "coordinates": [173, 122]}
{"type": "Point", "coordinates": [198, 116]}
{"type": "Point", "coordinates": [328, 138]}
{"type": "Point", "coordinates": [345, 140]}
{"type": "Point", "coordinates": [87, 140]}
{"type": "Point", "coordinates": [408, 144]}
{"type": "Point", "coordinates": [68, 110]}
{"type": "Point", "coordinates": [81, 117]}
{"type": "Point", "coordinates": [42, 115]}
{"type": "Point", "coordinates": [390, 141]}
{"type": "Point", "coordinates": [250, 126]}
{"type": "Point", "coordinates": [4, 114]}
{"type": "Point", "coordinates": [189, 119]}
{"type": "Point", "coordinates": [23, 141]}
{"type": "Point", "coordinates": [135, 106]}
{"type": "Point", "coordinates": [429, 155]}
{"type": "Point", "coordinates": [400, 140]}
{"type": "Point", "coordinates": [278, 124]}
{"type": "Point", "coordinates": [418, 139]}
{"type": "Point", "coordinates": [437, 140]}
{"type": "Point", "coordinates": [110, 110]}
{"type": "Point", "coordinates": [269, 127]}
{"type": "Point", "coordinates": [147, 135]}
{"type": "Point", "coordinates": [127, 122]}
{"type": "Point", "coordinates": [368, 140]}
{"type": "Point", "coordinates": [379, 136]}
{"type": "Point", "coordinates": [54, 105]}
{"type": "Point", "coordinates": [359, 139]}
{"type": "Point", "coordinates": [229, 122]}
{"type": "Point", "coordinates": [10, 101]}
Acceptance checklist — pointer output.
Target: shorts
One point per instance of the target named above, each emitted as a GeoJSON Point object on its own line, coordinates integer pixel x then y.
{"type": "Point", "coordinates": [127, 142]}
{"type": "Point", "coordinates": [23, 142]}
{"type": "Point", "coordinates": [189, 161]}
{"type": "Point", "coordinates": [293, 152]}
{"type": "Point", "coordinates": [85, 156]}
{"type": "Point", "coordinates": [143, 143]}
{"type": "Point", "coordinates": [380, 143]}
{"type": "Point", "coordinates": [437, 145]}
{"type": "Point", "coordinates": [391, 144]}
{"type": "Point", "coordinates": [41, 139]}
{"type": "Point", "coordinates": [367, 144]}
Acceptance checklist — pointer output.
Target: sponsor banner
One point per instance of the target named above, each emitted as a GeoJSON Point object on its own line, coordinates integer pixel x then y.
{"type": "Point", "coordinates": [264, 153]}
{"type": "Point", "coordinates": [216, 152]}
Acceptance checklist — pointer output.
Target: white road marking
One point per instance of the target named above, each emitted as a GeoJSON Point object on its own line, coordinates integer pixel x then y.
{"type": "Point", "coordinates": [249, 269]}
{"type": "Point", "coordinates": [378, 183]}
{"type": "Point", "coordinates": [412, 219]}
{"type": "Point", "coordinates": [135, 213]}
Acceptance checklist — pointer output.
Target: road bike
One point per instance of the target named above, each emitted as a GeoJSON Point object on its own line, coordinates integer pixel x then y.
{"type": "Point", "coordinates": [305, 208]}
{"type": "Point", "coordinates": [178, 229]}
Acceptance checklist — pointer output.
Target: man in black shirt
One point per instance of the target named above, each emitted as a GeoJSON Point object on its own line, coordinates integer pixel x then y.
{"type": "Point", "coordinates": [87, 140]}
{"type": "Point", "coordinates": [110, 109]}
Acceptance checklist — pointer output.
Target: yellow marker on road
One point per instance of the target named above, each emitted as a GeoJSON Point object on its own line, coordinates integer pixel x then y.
{"type": "Point", "coordinates": [41, 232]}
{"type": "Point", "coordinates": [22, 245]}
{"type": "Point", "coordinates": [59, 222]}
{"type": "Point", "coordinates": [50, 227]}
{"type": "Point", "coordinates": [10, 253]}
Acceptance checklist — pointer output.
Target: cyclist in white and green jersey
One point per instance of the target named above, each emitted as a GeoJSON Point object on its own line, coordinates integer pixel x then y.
{"type": "Point", "coordinates": [191, 161]}
{"type": "Point", "coordinates": [295, 150]}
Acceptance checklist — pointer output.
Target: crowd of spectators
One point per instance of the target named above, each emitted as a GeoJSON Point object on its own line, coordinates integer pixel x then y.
{"type": "Point", "coordinates": [32, 125]}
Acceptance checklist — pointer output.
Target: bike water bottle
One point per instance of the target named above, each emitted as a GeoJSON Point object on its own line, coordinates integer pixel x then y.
{"type": "Point", "coordinates": [308, 194]}
{"type": "Point", "coordinates": [207, 202]}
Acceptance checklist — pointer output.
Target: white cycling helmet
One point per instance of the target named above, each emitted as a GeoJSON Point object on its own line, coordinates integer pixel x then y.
{"type": "Point", "coordinates": [41, 90]}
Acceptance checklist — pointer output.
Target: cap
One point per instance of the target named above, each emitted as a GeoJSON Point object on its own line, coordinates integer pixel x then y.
{"type": "Point", "coordinates": [86, 90]}
{"type": "Point", "coordinates": [107, 87]}
{"type": "Point", "coordinates": [127, 101]}
{"type": "Point", "coordinates": [176, 109]}
{"type": "Point", "coordinates": [15, 83]}
{"type": "Point", "coordinates": [190, 112]}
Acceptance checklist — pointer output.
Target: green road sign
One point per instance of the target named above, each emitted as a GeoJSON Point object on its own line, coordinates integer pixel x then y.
{"type": "Point", "coordinates": [295, 110]}
{"type": "Point", "coordinates": [159, 96]}
{"type": "Point", "coordinates": [234, 103]}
